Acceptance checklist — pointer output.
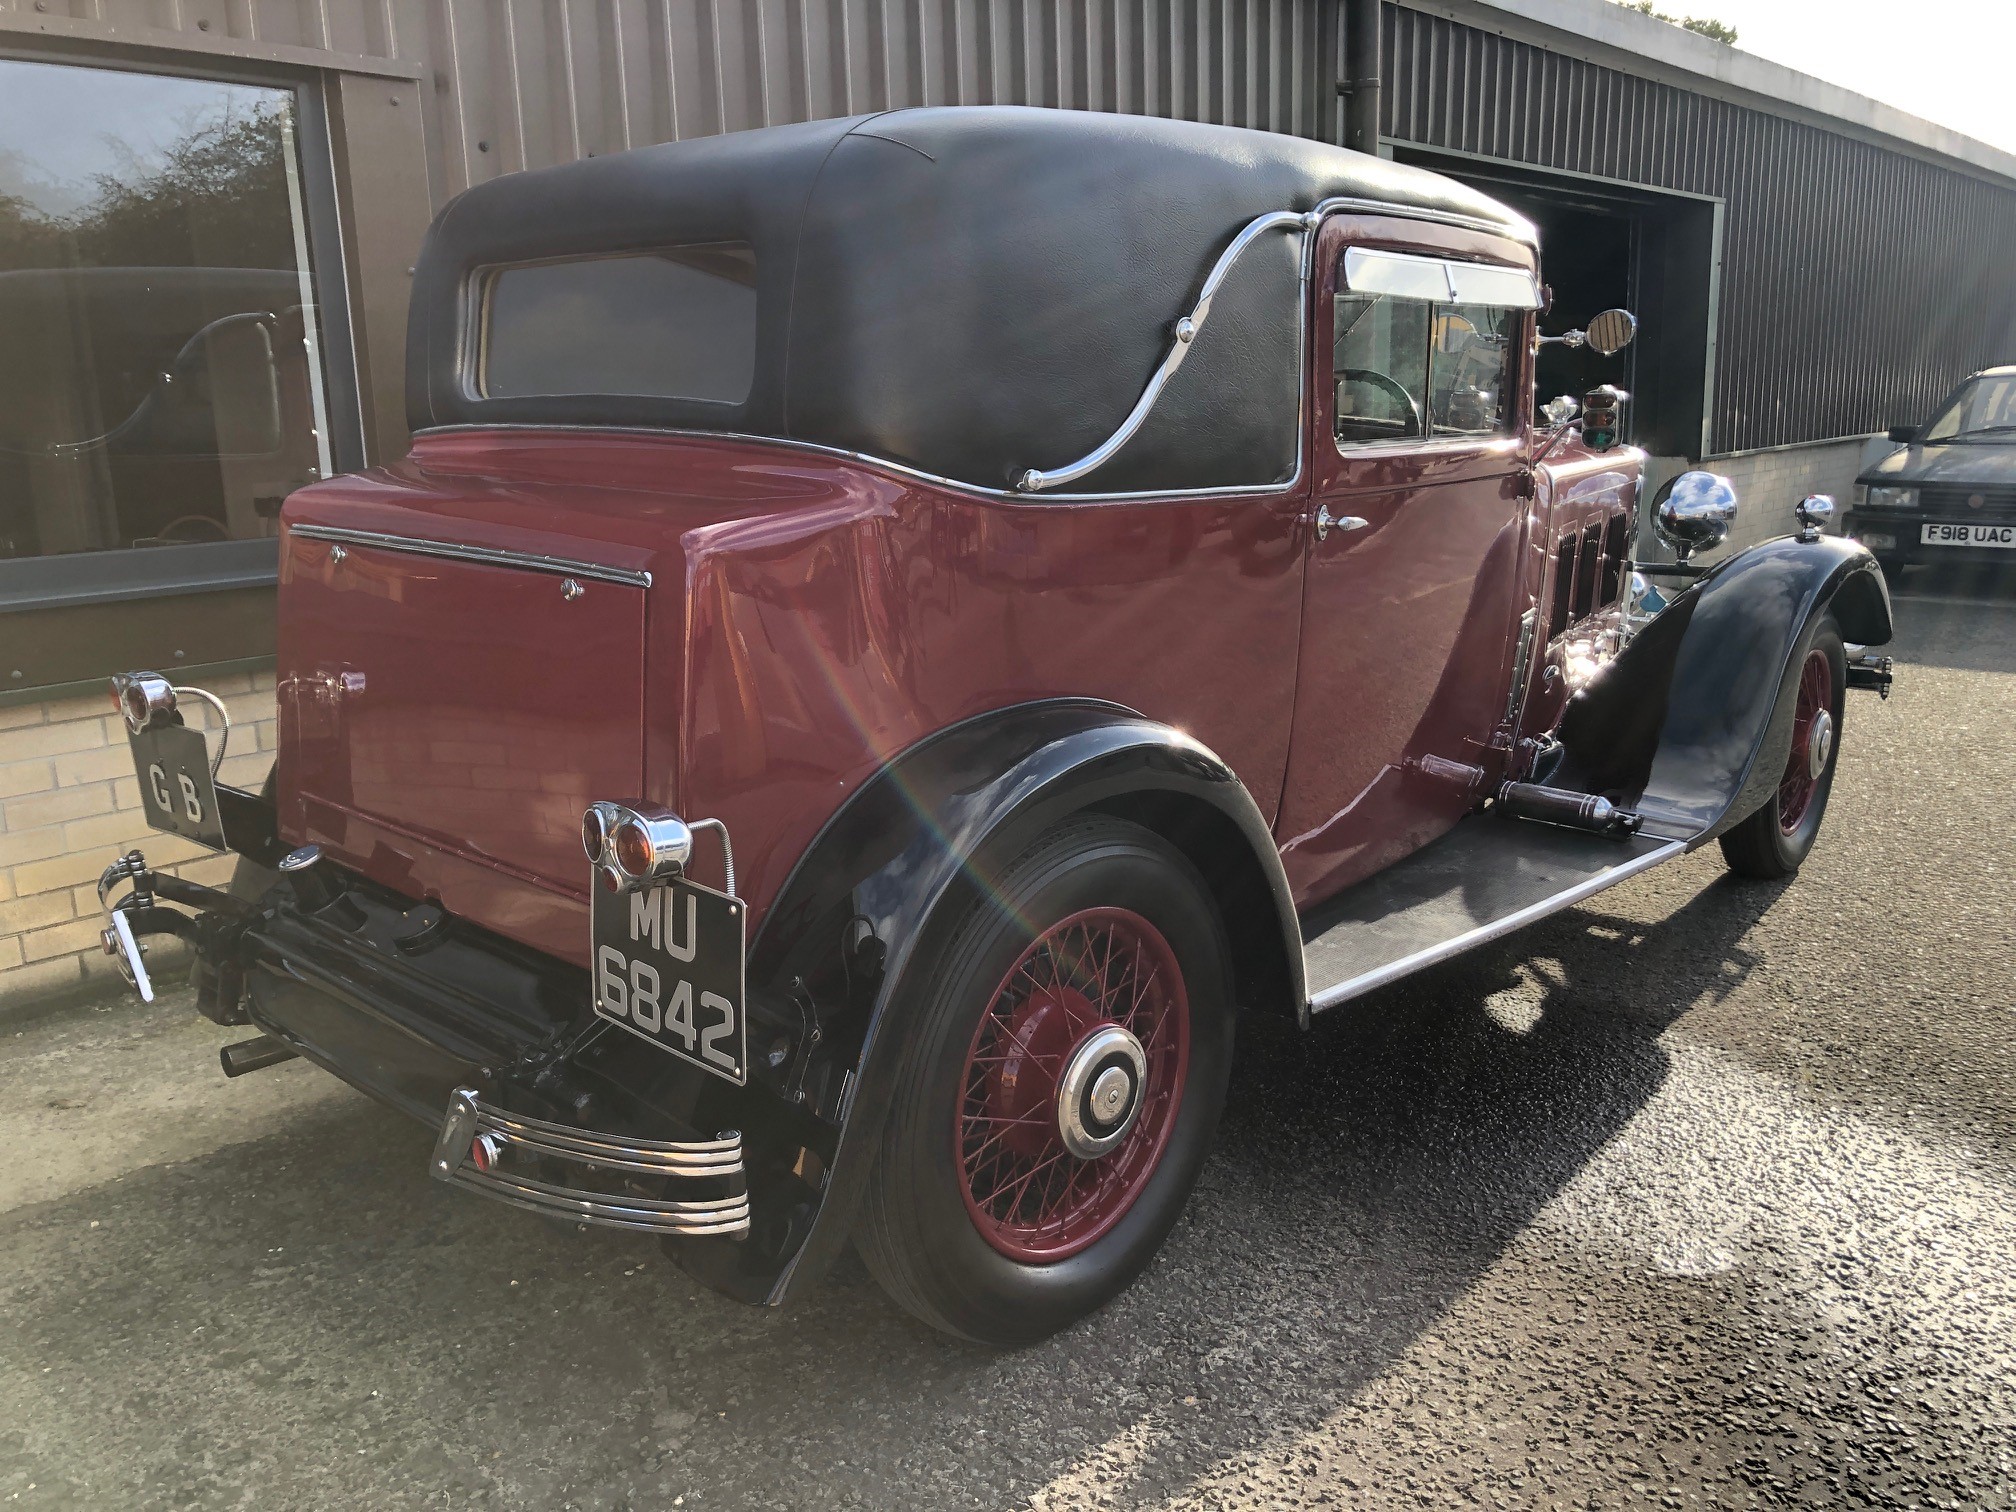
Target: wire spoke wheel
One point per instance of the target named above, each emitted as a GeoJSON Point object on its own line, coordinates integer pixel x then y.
{"type": "Point", "coordinates": [1812, 741]}
{"type": "Point", "coordinates": [1775, 838]}
{"type": "Point", "coordinates": [1072, 1084]}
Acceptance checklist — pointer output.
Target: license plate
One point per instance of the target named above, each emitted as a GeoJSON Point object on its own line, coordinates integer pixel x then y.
{"type": "Point", "coordinates": [177, 793]}
{"type": "Point", "coordinates": [1936, 533]}
{"type": "Point", "coordinates": [668, 967]}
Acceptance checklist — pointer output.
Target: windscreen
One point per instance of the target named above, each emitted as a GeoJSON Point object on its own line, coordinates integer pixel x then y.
{"type": "Point", "coordinates": [1985, 406]}
{"type": "Point", "coordinates": [677, 323]}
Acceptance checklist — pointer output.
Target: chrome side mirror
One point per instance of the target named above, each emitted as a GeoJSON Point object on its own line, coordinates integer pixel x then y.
{"type": "Point", "coordinates": [1694, 512]}
{"type": "Point", "coordinates": [1607, 335]}
{"type": "Point", "coordinates": [1814, 511]}
{"type": "Point", "coordinates": [1612, 331]}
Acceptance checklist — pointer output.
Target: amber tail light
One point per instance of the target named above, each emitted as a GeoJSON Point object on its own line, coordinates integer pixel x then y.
{"type": "Point", "coordinates": [635, 845]}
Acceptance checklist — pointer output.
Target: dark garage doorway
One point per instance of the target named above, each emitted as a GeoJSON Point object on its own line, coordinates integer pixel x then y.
{"type": "Point", "coordinates": [1602, 245]}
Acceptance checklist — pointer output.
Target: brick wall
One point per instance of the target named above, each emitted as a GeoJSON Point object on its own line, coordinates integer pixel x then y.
{"type": "Point", "coordinates": [69, 803]}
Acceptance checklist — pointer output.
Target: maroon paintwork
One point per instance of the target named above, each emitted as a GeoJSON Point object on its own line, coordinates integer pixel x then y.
{"type": "Point", "coordinates": [810, 616]}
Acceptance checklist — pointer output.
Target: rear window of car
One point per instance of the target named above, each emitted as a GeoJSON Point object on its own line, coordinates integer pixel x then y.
{"type": "Point", "coordinates": [675, 323]}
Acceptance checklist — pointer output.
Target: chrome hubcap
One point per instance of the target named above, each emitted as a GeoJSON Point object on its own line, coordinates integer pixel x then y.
{"type": "Point", "coordinates": [1819, 744]}
{"type": "Point", "coordinates": [1099, 1095]}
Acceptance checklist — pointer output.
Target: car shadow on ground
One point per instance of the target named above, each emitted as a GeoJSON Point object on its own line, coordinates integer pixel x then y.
{"type": "Point", "coordinates": [309, 1305]}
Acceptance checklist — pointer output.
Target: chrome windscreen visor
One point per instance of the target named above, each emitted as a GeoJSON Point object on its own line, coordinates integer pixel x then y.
{"type": "Point", "coordinates": [1440, 280]}
{"type": "Point", "coordinates": [623, 1183]}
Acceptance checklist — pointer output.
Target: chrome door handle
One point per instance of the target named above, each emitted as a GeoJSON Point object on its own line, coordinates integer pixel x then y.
{"type": "Point", "coordinates": [1327, 522]}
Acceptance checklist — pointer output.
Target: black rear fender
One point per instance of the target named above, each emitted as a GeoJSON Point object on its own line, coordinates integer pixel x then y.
{"type": "Point", "coordinates": [1687, 725]}
{"type": "Point", "coordinates": [893, 872]}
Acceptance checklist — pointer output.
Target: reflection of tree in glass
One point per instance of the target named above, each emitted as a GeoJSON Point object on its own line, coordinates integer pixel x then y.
{"type": "Point", "coordinates": [217, 195]}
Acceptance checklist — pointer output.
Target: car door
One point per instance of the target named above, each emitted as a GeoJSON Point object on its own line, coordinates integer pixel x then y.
{"type": "Point", "coordinates": [1421, 355]}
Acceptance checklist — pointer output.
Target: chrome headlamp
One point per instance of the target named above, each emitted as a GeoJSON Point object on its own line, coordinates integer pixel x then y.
{"type": "Point", "coordinates": [141, 696]}
{"type": "Point", "coordinates": [635, 846]}
{"type": "Point", "coordinates": [1891, 498]}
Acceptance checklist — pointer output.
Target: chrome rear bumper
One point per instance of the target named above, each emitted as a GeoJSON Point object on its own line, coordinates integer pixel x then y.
{"type": "Point", "coordinates": [482, 1146]}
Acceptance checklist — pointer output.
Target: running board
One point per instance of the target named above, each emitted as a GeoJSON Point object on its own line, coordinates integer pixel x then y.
{"type": "Point", "coordinates": [1482, 880]}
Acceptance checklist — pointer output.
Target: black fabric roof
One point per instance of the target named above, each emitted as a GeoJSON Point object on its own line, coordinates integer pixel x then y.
{"type": "Point", "coordinates": [967, 290]}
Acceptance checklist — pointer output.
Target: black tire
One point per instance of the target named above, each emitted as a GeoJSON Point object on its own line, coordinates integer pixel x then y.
{"type": "Point", "coordinates": [916, 1232]}
{"type": "Point", "coordinates": [1893, 571]}
{"type": "Point", "coordinates": [1764, 846]}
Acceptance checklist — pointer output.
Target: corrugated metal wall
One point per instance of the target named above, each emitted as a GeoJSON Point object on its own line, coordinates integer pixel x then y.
{"type": "Point", "coordinates": [1858, 284]}
{"type": "Point", "coordinates": [533, 82]}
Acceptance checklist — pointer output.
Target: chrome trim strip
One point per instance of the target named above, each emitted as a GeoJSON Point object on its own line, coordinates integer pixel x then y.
{"type": "Point", "coordinates": [1521, 230]}
{"type": "Point", "coordinates": [721, 1215]}
{"type": "Point", "coordinates": [1392, 971]}
{"type": "Point", "coordinates": [469, 1119]}
{"type": "Point", "coordinates": [1186, 331]}
{"type": "Point", "coordinates": [488, 555]}
{"type": "Point", "coordinates": [903, 469]}
{"type": "Point", "coordinates": [712, 1157]}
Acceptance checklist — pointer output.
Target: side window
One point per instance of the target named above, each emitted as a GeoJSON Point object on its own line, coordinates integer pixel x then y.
{"type": "Point", "coordinates": [1425, 346]}
{"type": "Point", "coordinates": [1380, 364]}
{"type": "Point", "coordinates": [1470, 370]}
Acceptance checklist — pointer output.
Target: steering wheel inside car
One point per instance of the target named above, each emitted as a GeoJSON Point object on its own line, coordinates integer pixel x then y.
{"type": "Point", "coordinates": [1392, 386]}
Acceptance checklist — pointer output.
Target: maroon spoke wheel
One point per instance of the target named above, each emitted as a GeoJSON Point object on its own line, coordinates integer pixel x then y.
{"type": "Point", "coordinates": [1072, 1083]}
{"type": "Point", "coordinates": [1812, 741]}
{"type": "Point", "coordinates": [1776, 839]}
{"type": "Point", "coordinates": [1067, 1049]}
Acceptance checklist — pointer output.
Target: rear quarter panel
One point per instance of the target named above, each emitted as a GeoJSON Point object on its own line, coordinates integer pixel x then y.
{"type": "Point", "coordinates": [827, 639]}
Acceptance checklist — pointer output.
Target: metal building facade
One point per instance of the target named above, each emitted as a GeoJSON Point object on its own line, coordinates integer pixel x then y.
{"type": "Point", "coordinates": [1857, 282]}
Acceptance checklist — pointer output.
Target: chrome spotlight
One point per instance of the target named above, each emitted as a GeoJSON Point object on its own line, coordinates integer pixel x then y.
{"type": "Point", "coordinates": [141, 697]}
{"type": "Point", "coordinates": [1694, 512]}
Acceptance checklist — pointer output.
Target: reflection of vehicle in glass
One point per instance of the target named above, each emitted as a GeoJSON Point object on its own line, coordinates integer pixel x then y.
{"type": "Point", "coordinates": [1084, 630]}
{"type": "Point", "coordinates": [147, 406]}
{"type": "Point", "coordinates": [1948, 492]}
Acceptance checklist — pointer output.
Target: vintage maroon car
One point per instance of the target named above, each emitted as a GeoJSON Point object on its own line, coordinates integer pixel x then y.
{"type": "Point", "coordinates": [1000, 594]}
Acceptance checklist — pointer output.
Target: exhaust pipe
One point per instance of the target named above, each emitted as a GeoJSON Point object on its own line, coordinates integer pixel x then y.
{"type": "Point", "coordinates": [253, 1055]}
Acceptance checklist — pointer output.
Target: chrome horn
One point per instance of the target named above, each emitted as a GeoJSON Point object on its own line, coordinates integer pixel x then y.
{"type": "Point", "coordinates": [1694, 512]}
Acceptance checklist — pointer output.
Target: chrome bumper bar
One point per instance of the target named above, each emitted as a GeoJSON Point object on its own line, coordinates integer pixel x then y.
{"type": "Point", "coordinates": [479, 1141]}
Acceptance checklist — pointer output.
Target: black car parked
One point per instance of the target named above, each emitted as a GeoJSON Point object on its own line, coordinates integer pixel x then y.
{"type": "Point", "coordinates": [1949, 492]}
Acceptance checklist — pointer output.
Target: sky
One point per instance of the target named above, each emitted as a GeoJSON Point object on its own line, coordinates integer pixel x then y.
{"type": "Point", "coordinates": [60, 125]}
{"type": "Point", "coordinates": [1949, 61]}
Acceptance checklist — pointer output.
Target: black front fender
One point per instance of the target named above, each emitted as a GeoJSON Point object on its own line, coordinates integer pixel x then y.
{"type": "Point", "coordinates": [884, 881]}
{"type": "Point", "coordinates": [1687, 725]}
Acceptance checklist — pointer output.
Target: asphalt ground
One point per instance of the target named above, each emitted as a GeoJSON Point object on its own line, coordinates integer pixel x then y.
{"type": "Point", "coordinates": [1703, 1195]}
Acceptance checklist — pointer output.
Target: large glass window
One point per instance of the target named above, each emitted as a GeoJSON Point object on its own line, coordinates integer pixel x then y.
{"type": "Point", "coordinates": [160, 379]}
{"type": "Point", "coordinates": [673, 324]}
